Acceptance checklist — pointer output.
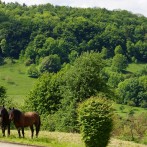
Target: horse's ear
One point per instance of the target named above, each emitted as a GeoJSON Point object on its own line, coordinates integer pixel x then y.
{"type": "Point", "coordinates": [9, 108]}
{"type": "Point", "coordinates": [13, 108]}
{"type": "Point", "coordinates": [3, 106]}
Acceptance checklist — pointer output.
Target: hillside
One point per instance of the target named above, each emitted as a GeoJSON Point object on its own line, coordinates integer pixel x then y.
{"type": "Point", "coordinates": [56, 57]}
{"type": "Point", "coordinates": [35, 32]}
{"type": "Point", "coordinates": [14, 77]}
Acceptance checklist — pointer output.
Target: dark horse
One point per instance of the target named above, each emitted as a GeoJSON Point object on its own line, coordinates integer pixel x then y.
{"type": "Point", "coordinates": [4, 120]}
{"type": "Point", "coordinates": [27, 119]}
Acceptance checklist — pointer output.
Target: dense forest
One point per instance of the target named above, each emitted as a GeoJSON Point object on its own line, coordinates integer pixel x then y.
{"type": "Point", "coordinates": [38, 31]}
{"type": "Point", "coordinates": [75, 53]}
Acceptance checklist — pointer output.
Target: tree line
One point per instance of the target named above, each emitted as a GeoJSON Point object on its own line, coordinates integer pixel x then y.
{"type": "Point", "coordinates": [35, 32]}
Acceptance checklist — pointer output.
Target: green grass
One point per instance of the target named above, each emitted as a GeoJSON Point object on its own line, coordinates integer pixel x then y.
{"type": "Point", "coordinates": [59, 139]}
{"type": "Point", "coordinates": [46, 139]}
{"type": "Point", "coordinates": [124, 110]}
{"type": "Point", "coordinates": [14, 78]}
{"type": "Point", "coordinates": [135, 67]}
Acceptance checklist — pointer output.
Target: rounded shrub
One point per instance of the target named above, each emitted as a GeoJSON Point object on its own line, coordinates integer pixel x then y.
{"type": "Point", "coordinates": [95, 117]}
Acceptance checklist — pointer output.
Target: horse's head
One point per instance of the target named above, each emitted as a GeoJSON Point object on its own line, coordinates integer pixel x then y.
{"type": "Point", "coordinates": [3, 111]}
{"type": "Point", "coordinates": [11, 114]}
{"type": "Point", "coordinates": [15, 115]}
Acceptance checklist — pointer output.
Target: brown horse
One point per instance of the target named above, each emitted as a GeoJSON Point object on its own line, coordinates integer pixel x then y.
{"type": "Point", "coordinates": [4, 120]}
{"type": "Point", "coordinates": [22, 120]}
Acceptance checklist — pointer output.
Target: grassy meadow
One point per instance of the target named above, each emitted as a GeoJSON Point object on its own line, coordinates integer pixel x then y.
{"type": "Point", "coordinates": [59, 139]}
{"type": "Point", "coordinates": [124, 110]}
{"type": "Point", "coordinates": [135, 67]}
{"type": "Point", "coordinates": [14, 77]}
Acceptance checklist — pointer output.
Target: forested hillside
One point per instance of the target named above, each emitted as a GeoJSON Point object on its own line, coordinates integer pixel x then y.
{"type": "Point", "coordinates": [76, 53]}
{"type": "Point", "coordinates": [38, 31]}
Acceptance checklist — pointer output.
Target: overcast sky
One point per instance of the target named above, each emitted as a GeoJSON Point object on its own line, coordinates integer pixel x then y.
{"type": "Point", "coordinates": [135, 6]}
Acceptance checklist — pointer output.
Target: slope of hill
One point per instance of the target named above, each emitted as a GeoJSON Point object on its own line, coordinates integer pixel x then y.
{"type": "Point", "coordinates": [16, 81]}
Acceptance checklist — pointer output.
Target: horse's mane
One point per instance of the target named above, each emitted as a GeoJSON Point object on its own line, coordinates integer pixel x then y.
{"type": "Point", "coordinates": [17, 114]}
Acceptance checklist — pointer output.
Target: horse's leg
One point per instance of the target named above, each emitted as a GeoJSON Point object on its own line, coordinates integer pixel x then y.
{"type": "Point", "coordinates": [32, 130]}
{"type": "Point", "coordinates": [3, 130]}
{"type": "Point", "coordinates": [37, 130]}
{"type": "Point", "coordinates": [19, 132]}
{"type": "Point", "coordinates": [8, 129]}
{"type": "Point", "coordinates": [37, 127]}
{"type": "Point", "coordinates": [22, 131]}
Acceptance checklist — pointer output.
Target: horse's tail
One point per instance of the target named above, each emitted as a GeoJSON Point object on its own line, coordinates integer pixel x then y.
{"type": "Point", "coordinates": [39, 124]}
{"type": "Point", "coordinates": [38, 127]}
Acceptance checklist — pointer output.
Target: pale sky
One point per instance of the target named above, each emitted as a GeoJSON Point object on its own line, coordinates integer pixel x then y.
{"type": "Point", "coordinates": [134, 6]}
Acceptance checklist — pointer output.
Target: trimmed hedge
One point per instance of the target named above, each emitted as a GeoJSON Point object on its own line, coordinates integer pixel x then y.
{"type": "Point", "coordinates": [95, 117]}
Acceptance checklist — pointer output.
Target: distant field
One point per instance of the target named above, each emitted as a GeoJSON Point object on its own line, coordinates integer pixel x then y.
{"type": "Point", "coordinates": [124, 110]}
{"type": "Point", "coordinates": [135, 67]}
{"type": "Point", "coordinates": [14, 78]}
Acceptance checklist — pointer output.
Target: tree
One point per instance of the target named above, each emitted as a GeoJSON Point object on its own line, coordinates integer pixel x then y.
{"type": "Point", "coordinates": [49, 47]}
{"type": "Point", "coordinates": [114, 79]}
{"type": "Point", "coordinates": [84, 77]}
{"type": "Point", "coordinates": [118, 50]}
{"type": "Point", "coordinates": [50, 63]}
{"type": "Point", "coordinates": [80, 81]}
{"type": "Point", "coordinates": [72, 56]}
{"type": "Point", "coordinates": [141, 50]}
{"type": "Point", "coordinates": [45, 95]}
{"type": "Point", "coordinates": [2, 95]}
{"type": "Point", "coordinates": [33, 71]}
{"type": "Point", "coordinates": [3, 45]}
{"type": "Point", "coordinates": [119, 62]}
{"type": "Point", "coordinates": [95, 118]}
{"type": "Point", "coordinates": [132, 91]}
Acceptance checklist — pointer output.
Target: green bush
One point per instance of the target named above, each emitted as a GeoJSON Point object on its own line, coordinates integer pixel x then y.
{"type": "Point", "coordinates": [95, 117]}
{"type": "Point", "coordinates": [2, 95]}
{"type": "Point", "coordinates": [1, 60]}
{"type": "Point", "coordinates": [33, 71]}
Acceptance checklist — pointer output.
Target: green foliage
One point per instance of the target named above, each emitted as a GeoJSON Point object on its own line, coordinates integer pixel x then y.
{"type": "Point", "coordinates": [3, 47]}
{"type": "Point", "coordinates": [66, 117]}
{"type": "Point", "coordinates": [83, 79]}
{"type": "Point", "coordinates": [80, 81]}
{"type": "Point", "coordinates": [142, 71]}
{"type": "Point", "coordinates": [95, 117]}
{"type": "Point", "coordinates": [50, 63]}
{"type": "Point", "coordinates": [33, 71]}
{"type": "Point", "coordinates": [46, 29]}
{"type": "Point", "coordinates": [1, 60]}
{"type": "Point", "coordinates": [72, 56]}
{"type": "Point", "coordinates": [44, 97]}
{"type": "Point", "coordinates": [119, 62]}
{"type": "Point", "coordinates": [132, 91]}
{"type": "Point", "coordinates": [2, 95]}
{"type": "Point", "coordinates": [114, 79]}
{"type": "Point", "coordinates": [132, 128]}
{"type": "Point", "coordinates": [118, 50]}
{"type": "Point", "coordinates": [49, 47]}
{"type": "Point", "coordinates": [60, 92]}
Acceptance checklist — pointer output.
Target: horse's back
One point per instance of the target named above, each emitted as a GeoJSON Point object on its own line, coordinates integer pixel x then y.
{"type": "Point", "coordinates": [31, 118]}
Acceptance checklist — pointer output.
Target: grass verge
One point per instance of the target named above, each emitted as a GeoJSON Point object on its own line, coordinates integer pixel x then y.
{"type": "Point", "coordinates": [60, 139]}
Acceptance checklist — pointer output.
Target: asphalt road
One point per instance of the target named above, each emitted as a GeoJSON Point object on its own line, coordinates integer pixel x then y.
{"type": "Point", "coordinates": [3, 144]}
